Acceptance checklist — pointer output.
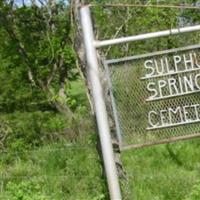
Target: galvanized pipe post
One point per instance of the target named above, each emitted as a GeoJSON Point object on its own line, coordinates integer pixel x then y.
{"type": "Point", "coordinates": [99, 104]}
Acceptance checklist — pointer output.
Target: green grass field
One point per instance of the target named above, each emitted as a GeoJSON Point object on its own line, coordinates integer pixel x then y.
{"type": "Point", "coordinates": [54, 172]}
{"type": "Point", "coordinates": [59, 172]}
{"type": "Point", "coordinates": [164, 172]}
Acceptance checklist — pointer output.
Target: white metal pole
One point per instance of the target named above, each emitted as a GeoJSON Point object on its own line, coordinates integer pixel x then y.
{"type": "Point", "coordinates": [99, 104]}
{"type": "Point", "coordinates": [147, 36]}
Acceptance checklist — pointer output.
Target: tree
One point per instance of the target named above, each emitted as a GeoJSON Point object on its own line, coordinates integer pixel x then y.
{"type": "Point", "coordinates": [38, 40]}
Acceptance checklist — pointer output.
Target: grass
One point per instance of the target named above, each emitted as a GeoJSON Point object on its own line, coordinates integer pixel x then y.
{"type": "Point", "coordinates": [163, 172]}
{"type": "Point", "coordinates": [74, 172]}
{"type": "Point", "coordinates": [55, 172]}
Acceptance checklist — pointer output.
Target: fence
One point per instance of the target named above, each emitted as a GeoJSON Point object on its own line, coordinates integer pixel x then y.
{"type": "Point", "coordinates": [135, 66]}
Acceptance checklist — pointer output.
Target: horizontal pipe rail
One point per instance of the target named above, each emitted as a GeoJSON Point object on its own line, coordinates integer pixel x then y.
{"type": "Point", "coordinates": [148, 55]}
{"type": "Point", "coordinates": [145, 36]}
{"type": "Point", "coordinates": [123, 5]}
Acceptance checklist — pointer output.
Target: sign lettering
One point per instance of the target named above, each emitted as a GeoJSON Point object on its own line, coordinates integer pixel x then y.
{"type": "Point", "coordinates": [169, 77]}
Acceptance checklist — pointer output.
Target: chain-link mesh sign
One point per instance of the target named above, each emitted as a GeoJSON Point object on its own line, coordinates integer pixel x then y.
{"type": "Point", "coordinates": [156, 96]}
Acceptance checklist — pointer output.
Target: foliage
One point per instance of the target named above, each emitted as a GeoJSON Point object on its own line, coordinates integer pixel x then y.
{"type": "Point", "coordinates": [27, 130]}
{"type": "Point", "coordinates": [25, 190]}
{"type": "Point", "coordinates": [36, 54]}
{"type": "Point", "coordinates": [129, 21]}
{"type": "Point", "coordinates": [54, 172]}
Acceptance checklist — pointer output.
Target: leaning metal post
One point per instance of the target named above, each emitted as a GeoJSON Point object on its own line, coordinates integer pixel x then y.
{"type": "Point", "coordinates": [99, 105]}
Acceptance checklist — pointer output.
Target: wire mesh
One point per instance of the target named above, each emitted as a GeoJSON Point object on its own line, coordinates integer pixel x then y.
{"type": "Point", "coordinates": [133, 104]}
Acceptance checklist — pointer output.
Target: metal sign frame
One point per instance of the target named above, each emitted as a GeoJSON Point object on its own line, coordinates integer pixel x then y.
{"type": "Point", "coordinates": [113, 102]}
{"type": "Point", "coordinates": [91, 46]}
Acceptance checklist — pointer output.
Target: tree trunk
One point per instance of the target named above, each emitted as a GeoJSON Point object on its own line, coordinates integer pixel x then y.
{"type": "Point", "coordinates": [79, 47]}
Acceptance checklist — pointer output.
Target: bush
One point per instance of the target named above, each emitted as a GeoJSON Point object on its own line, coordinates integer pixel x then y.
{"type": "Point", "coordinates": [25, 190]}
{"type": "Point", "coordinates": [28, 130]}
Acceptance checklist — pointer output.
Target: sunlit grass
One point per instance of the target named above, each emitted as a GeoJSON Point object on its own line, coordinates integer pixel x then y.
{"type": "Point", "coordinates": [163, 172]}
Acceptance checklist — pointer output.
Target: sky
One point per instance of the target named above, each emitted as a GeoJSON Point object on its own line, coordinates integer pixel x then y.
{"type": "Point", "coordinates": [28, 2]}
